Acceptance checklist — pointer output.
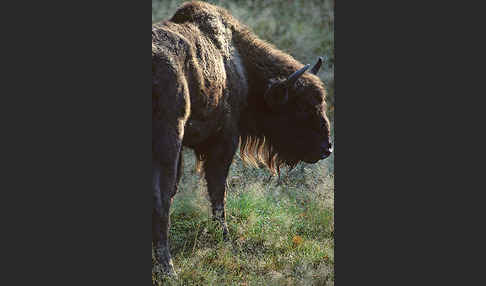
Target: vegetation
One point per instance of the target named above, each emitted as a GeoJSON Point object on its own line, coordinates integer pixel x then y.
{"type": "Point", "coordinates": [281, 228]}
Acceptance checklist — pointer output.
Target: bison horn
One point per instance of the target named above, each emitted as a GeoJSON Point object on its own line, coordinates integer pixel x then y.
{"type": "Point", "coordinates": [295, 76]}
{"type": "Point", "coordinates": [317, 66]}
{"type": "Point", "coordinates": [277, 95]}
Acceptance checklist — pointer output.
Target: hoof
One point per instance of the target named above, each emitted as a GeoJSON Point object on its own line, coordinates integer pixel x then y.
{"type": "Point", "coordinates": [166, 271]}
{"type": "Point", "coordinates": [225, 235]}
{"type": "Point", "coordinates": [164, 265]}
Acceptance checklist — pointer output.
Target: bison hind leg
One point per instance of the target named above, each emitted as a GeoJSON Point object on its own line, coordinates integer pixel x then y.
{"type": "Point", "coordinates": [166, 171]}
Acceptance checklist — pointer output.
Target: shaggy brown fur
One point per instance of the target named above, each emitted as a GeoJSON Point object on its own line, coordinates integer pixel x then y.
{"type": "Point", "coordinates": [262, 62]}
{"type": "Point", "coordinates": [216, 87]}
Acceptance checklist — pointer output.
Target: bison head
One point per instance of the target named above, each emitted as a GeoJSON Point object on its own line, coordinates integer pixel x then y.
{"type": "Point", "coordinates": [295, 120]}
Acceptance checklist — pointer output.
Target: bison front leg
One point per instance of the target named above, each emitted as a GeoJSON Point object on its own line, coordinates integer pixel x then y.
{"type": "Point", "coordinates": [166, 162]}
{"type": "Point", "coordinates": [216, 167]}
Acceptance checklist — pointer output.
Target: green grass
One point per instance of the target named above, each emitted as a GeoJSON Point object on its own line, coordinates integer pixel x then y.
{"type": "Point", "coordinates": [281, 229]}
{"type": "Point", "coordinates": [266, 216]}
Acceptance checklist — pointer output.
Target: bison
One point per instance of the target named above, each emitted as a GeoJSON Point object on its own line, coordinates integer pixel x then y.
{"type": "Point", "coordinates": [217, 87]}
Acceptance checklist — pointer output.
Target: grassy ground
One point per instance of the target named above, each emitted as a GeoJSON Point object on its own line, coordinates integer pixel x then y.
{"type": "Point", "coordinates": [281, 229]}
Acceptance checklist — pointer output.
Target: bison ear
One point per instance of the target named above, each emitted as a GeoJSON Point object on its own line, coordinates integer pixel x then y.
{"type": "Point", "coordinates": [295, 76]}
{"type": "Point", "coordinates": [317, 66]}
{"type": "Point", "coordinates": [276, 95]}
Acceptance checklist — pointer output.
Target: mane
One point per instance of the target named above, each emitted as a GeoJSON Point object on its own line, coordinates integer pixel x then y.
{"type": "Point", "coordinates": [262, 62]}
{"type": "Point", "coordinates": [257, 151]}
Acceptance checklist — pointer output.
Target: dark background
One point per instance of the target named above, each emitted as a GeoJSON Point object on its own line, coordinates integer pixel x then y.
{"type": "Point", "coordinates": [76, 134]}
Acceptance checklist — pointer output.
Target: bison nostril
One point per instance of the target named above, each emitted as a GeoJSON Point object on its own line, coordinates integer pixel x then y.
{"type": "Point", "coordinates": [326, 146]}
{"type": "Point", "coordinates": [326, 149]}
{"type": "Point", "coordinates": [326, 153]}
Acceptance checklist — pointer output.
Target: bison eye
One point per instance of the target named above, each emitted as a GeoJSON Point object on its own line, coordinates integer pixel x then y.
{"type": "Point", "coordinates": [302, 111]}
